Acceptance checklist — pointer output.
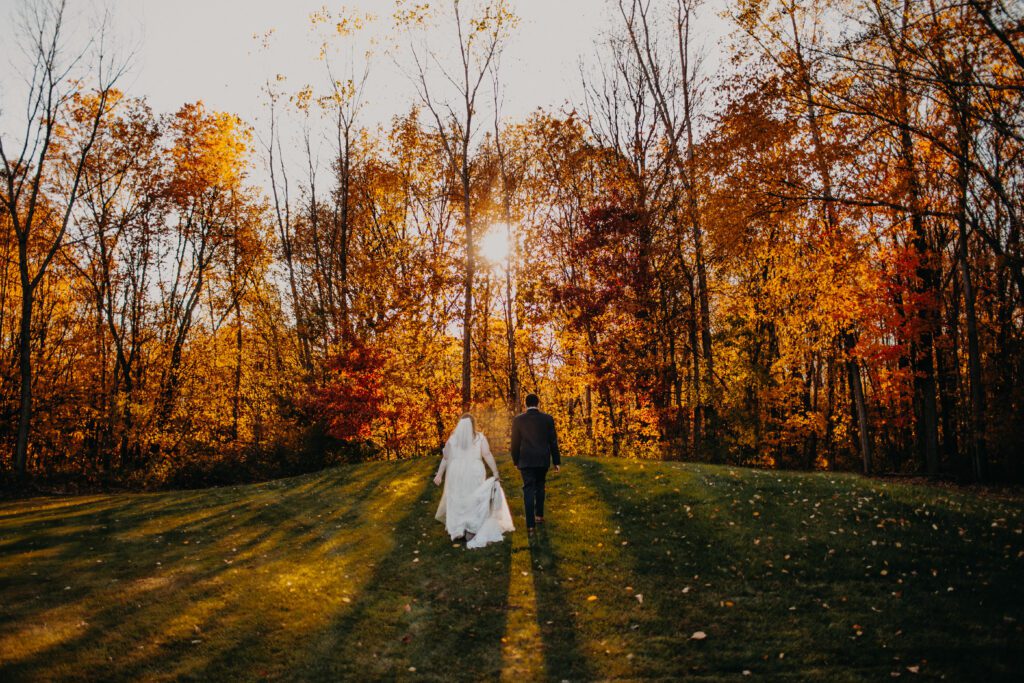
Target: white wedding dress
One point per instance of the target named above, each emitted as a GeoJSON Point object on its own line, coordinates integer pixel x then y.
{"type": "Point", "coordinates": [472, 505]}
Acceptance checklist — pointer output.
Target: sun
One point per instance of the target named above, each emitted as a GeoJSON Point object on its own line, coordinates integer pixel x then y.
{"type": "Point", "coordinates": [494, 244]}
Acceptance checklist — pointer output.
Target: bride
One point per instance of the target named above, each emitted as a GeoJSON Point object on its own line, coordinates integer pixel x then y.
{"type": "Point", "coordinates": [472, 506]}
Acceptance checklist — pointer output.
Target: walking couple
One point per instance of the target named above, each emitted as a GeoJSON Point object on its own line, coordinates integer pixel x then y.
{"type": "Point", "coordinates": [473, 506]}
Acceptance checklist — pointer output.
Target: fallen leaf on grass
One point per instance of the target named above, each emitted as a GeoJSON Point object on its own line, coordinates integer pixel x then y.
{"type": "Point", "coordinates": [591, 598]}
{"type": "Point", "coordinates": [698, 635]}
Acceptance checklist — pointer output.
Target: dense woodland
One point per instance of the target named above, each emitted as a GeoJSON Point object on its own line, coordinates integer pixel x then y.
{"type": "Point", "coordinates": [807, 257]}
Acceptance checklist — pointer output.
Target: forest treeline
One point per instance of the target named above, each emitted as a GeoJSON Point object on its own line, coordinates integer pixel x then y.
{"type": "Point", "coordinates": [808, 257]}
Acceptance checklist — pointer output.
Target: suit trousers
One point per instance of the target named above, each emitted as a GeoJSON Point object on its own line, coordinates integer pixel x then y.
{"type": "Point", "coordinates": [533, 493]}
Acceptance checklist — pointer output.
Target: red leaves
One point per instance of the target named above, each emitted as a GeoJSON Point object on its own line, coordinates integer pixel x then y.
{"type": "Point", "coordinates": [351, 397]}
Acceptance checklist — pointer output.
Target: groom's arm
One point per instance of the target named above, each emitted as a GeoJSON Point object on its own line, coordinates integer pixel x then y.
{"type": "Point", "coordinates": [556, 458]}
{"type": "Point", "coordinates": [516, 441]}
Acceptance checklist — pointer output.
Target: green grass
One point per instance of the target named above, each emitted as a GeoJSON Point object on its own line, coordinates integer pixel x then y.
{"type": "Point", "coordinates": [345, 574]}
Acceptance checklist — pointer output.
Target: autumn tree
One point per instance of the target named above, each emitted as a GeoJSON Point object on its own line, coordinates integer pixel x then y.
{"type": "Point", "coordinates": [43, 169]}
{"type": "Point", "coordinates": [479, 39]}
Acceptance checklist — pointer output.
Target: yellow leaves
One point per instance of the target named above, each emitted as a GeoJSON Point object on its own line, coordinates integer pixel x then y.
{"type": "Point", "coordinates": [302, 98]}
{"type": "Point", "coordinates": [347, 25]}
{"type": "Point", "coordinates": [210, 151]}
{"type": "Point", "coordinates": [320, 16]}
{"type": "Point", "coordinates": [264, 38]}
{"type": "Point", "coordinates": [497, 18]}
{"type": "Point", "coordinates": [411, 14]}
{"type": "Point", "coordinates": [344, 23]}
{"type": "Point", "coordinates": [342, 93]}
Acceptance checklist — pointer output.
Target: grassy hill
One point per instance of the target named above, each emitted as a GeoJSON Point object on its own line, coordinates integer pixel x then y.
{"type": "Point", "coordinates": [345, 574]}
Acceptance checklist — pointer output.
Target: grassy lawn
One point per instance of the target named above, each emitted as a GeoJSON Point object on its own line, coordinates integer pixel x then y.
{"type": "Point", "coordinates": [345, 574]}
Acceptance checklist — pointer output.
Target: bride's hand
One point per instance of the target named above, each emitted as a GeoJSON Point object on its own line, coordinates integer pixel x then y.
{"type": "Point", "coordinates": [437, 480]}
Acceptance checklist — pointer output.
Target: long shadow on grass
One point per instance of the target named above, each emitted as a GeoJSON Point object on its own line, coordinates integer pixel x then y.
{"type": "Point", "coordinates": [806, 566]}
{"type": "Point", "coordinates": [557, 627]}
{"type": "Point", "coordinates": [137, 564]}
{"type": "Point", "coordinates": [563, 657]}
{"type": "Point", "coordinates": [707, 563]}
{"type": "Point", "coordinates": [431, 609]}
{"type": "Point", "coordinates": [686, 567]}
{"type": "Point", "coordinates": [156, 525]}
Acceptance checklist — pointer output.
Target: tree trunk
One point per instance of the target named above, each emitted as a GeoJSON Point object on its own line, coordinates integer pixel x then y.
{"type": "Point", "coordinates": [589, 420]}
{"type": "Point", "coordinates": [467, 313]}
{"type": "Point", "coordinates": [830, 448]}
{"type": "Point", "coordinates": [979, 455]}
{"type": "Point", "coordinates": [609, 403]}
{"type": "Point", "coordinates": [510, 327]}
{"type": "Point", "coordinates": [708, 404]}
{"type": "Point", "coordinates": [236, 399]}
{"type": "Point", "coordinates": [925, 286]}
{"type": "Point", "coordinates": [343, 294]}
{"type": "Point", "coordinates": [24, 368]}
{"type": "Point", "coordinates": [859, 405]}
{"type": "Point", "coordinates": [697, 402]}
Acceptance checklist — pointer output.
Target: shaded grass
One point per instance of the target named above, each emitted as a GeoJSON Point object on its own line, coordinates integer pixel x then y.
{"type": "Point", "coordinates": [345, 575]}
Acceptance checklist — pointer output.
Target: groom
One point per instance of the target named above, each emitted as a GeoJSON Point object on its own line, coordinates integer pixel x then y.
{"type": "Point", "coordinates": [534, 449]}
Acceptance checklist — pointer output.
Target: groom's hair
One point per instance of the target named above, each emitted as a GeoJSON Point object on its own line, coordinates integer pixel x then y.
{"type": "Point", "coordinates": [532, 400]}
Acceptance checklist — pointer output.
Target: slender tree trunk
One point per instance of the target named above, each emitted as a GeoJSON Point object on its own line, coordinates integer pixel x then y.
{"type": "Point", "coordinates": [979, 456]}
{"type": "Point", "coordinates": [960, 105]}
{"type": "Point", "coordinates": [925, 285]}
{"type": "Point", "coordinates": [24, 367]}
{"type": "Point", "coordinates": [343, 256]}
{"type": "Point", "coordinates": [830, 448]}
{"type": "Point", "coordinates": [710, 391]}
{"type": "Point", "coordinates": [811, 408]}
{"type": "Point", "coordinates": [589, 420]}
{"type": "Point", "coordinates": [859, 404]}
{"type": "Point", "coordinates": [236, 399]}
{"type": "Point", "coordinates": [709, 420]}
{"type": "Point", "coordinates": [698, 413]}
{"type": "Point", "coordinates": [510, 327]}
{"type": "Point", "coordinates": [613, 422]}
{"type": "Point", "coordinates": [467, 313]}
{"type": "Point", "coordinates": [104, 415]}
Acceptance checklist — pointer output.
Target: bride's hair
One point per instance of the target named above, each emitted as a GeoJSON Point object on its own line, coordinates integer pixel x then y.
{"type": "Point", "coordinates": [472, 422]}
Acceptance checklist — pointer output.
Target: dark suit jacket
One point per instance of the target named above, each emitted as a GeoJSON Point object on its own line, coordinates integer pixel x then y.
{"type": "Point", "coordinates": [534, 441]}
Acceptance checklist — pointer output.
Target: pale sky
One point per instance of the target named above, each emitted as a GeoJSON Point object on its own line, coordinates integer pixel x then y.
{"type": "Point", "coordinates": [204, 49]}
{"type": "Point", "coordinates": [189, 50]}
